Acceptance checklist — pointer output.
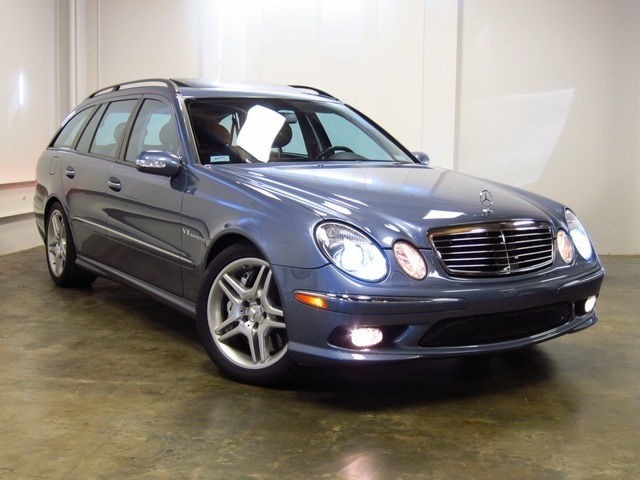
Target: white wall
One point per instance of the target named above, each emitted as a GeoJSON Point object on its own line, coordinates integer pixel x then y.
{"type": "Point", "coordinates": [28, 111]}
{"type": "Point", "coordinates": [349, 48]}
{"type": "Point", "coordinates": [549, 97]}
{"type": "Point", "coordinates": [537, 93]}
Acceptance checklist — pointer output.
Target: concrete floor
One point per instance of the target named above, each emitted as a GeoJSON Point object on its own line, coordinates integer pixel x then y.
{"type": "Point", "coordinates": [106, 383]}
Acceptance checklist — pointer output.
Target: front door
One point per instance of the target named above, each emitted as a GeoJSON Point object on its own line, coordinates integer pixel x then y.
{"type": "Point", "coordinates": [144, 209]}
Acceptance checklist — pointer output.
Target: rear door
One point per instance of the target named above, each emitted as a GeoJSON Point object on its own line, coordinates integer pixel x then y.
{"type": "Point", "coordinates": [73, 171]}
{"type": "Point", "coordinates": [144, 210]}
{"type": "Point", "coordinates": [86, 173]}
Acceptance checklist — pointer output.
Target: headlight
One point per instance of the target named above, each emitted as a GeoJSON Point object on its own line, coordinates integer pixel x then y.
{"type": "Point", "coordinates": [351, 251]}
{"type": "Point", "coordinates": [565, 247]}
{"type": "Point", "coordinates": [410, 259]}
{"type": "Point", "coordinates": [579, 235]}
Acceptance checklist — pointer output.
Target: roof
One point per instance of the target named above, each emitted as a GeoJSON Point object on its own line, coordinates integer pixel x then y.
{"type": "Point", "coordinates": [201, 88]}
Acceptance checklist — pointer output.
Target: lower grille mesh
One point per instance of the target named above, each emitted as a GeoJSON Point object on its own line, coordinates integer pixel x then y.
{"type": "Point", "coordinates": [501, 327]}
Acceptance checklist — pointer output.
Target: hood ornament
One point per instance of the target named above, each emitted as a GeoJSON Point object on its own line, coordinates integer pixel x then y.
{"type": "Point", "coordinates": [486, 200]}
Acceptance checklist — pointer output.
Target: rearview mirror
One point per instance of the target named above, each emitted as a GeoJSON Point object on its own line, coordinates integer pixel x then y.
{"type": "Point", "coordinates": [158, 162]}
{"type": "Point", "coordinates": [422, 157]}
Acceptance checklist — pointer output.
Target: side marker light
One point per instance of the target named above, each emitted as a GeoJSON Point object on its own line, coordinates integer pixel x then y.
{"type": "Point", "coordinates": [311, 300]}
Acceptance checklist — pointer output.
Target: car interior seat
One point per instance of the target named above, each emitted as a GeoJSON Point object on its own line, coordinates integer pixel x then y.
{"type": "Point", "coordinates": [281, 140]}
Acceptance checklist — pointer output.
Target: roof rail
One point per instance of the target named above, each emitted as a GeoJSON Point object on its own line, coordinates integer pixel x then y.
{"type": "Point", "coordinates": [317, 91]}
{"type": "Point", "coordinates": [114, 88]}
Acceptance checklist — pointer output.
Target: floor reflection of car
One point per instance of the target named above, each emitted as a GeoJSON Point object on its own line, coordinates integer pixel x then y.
{"type": "Point", "coordinates": [297, 231]}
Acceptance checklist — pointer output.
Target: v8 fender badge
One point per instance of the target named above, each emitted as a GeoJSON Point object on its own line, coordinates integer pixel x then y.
{"type": "Point", "coordinates": [191, 234]}
{"type": "Point", "coordinates": [486, 200]}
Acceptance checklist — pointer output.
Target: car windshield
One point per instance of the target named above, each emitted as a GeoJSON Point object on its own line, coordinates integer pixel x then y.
{"type": "Point", "coordinates": [252, 130]}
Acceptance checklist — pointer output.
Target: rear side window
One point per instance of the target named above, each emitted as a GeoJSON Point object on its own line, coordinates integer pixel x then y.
{"type": "Point", "coordinates": [87, 135]}
{"type": "Point", "coordinates": [154, 129]}
{"type": "Point", "coordinates": [112, 128]}
{"type": "Point", "coordinates": [67, 136]}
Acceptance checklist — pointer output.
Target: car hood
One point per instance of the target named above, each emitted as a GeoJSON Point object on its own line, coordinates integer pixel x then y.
{"type": "Point", "coordinates": [392, 200]}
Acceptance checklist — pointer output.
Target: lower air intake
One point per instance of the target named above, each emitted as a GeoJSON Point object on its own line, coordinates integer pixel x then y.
{"type": "Point", "coordinates": [494, 328]}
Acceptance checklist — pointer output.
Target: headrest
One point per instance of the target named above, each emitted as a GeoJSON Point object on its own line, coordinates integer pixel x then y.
{"type": "Point", "coordinates": [220, 133]}
{"type": "Point", "coordinates": [283, 137]}
{"type": "Point", "coordinates": [118, 132]}
{"type": "Point", "coordinates": [168, 135]}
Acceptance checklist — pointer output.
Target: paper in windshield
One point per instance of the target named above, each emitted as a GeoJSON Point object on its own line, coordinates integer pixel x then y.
{"type": "Point", "coordinates": [260, 128]}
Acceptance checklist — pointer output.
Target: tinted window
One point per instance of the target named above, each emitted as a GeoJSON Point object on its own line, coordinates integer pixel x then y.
{"type": "Point", "coordinates": [112, 128]}
{"type": "Point", "coordinates": [286, 130]}
{"type": "Point", "coordinates": [154, 129]}
{"type": "Point", "coordinates": [87, 135]}
{"type": "Point", "coordinates": [68, 134]}
{"type": "Point", "coordinates": [344, 133]}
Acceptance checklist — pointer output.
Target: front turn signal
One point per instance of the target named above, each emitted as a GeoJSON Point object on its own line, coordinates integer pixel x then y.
{"type": "Point", "coordinates": [312, 300]}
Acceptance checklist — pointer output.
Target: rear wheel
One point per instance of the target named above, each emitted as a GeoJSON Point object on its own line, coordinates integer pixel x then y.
{"type": "Point", "coordinates": [240, 318]}
{"type": "Point", "coordinates": [61, 251]}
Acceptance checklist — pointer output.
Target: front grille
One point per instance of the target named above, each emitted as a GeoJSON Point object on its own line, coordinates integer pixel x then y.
{"type": "Point", "coordinates": [494, 328]}
{"type": "Point", "coordinates": [493, 249]}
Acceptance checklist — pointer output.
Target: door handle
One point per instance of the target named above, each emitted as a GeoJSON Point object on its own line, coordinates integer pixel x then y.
{"type": "Point", "coordinates": [114, 184]}
{"type": "Point", "coordinates": [70, 172]}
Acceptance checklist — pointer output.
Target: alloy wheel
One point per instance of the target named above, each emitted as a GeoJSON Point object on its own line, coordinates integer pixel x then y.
{"type": "Point", "coordinates": [56, 243]}
{"type": "Point", "coordinates": [245, 318]}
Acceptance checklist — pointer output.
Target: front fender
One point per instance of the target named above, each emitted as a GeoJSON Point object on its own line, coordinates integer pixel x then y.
{"type": "Point", "coordinates": [214, 207]}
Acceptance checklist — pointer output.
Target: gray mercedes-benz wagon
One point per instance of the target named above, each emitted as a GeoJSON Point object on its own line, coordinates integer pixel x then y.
{"type": "Point", "coordinates": [297, 231]}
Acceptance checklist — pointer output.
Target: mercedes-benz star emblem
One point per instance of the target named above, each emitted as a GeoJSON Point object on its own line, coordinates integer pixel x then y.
{"type": "Point", "coordinates": [486, 200]}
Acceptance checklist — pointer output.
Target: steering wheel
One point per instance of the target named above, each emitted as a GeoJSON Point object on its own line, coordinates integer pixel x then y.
{"type": "Point", "coordinates": [327, 152]}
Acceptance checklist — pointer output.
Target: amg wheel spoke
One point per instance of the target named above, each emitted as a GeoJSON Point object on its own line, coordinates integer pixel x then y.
{"type": "Point", "coordinates": [237, 330]}
{"type": "Point", "coordinates": [252, 346]}
{"type": "Point", "coordinates": [267, 306]}
{"type": "Point", "coordinates": [262, 344]}
{"type": "Point", "coordinates": [227, 323]}
{"type": "Point", "coordinates": [59, 264]}
{"type": "Point", "coordinates": [56, 225]}
{"type": "Point", "coordinates": [253, 291]}
{"type": "Point", "coordinates": [269, 323]}
{"type": "Point", "coordinates": [232, 288]}
{"type": "Point", "coordinates": [270, 309]}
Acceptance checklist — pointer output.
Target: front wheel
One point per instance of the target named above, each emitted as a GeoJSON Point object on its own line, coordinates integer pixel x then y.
{"type": "Point", "coordinates": [240, 318]}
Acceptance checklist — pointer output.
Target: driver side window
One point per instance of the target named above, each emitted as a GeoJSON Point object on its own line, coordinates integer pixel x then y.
{"type": "Point", "coordinates": [155, 128]}
{"type": "Point", "coordinates": [342, 132]}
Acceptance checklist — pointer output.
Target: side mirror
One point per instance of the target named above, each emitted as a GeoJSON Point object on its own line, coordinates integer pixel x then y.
{"type": "Point", "coordinates": [422, 157]}
{"type": "Point", "coordinates": [159, 163]}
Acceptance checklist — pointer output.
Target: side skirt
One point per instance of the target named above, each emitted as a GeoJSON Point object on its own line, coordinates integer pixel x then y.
{"type": "Point", "coordinates": [163, 296]}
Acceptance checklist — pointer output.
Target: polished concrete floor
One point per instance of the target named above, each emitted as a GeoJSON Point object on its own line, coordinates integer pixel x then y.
{"type": "Point", "coordinates": [106, 383]}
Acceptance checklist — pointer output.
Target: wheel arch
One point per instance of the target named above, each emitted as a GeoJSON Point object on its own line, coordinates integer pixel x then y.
{"type": "Point", "coordinates": [49, 204]}
{"type": "Point", "coordinates": [47, 208]}
{"type": "Point", "coordinates": [228, 239]}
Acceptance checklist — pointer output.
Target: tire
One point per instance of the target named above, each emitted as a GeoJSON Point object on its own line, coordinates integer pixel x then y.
{"type": "Point", "coordinates": [60, 251]}
{"type": "Point", "coordinates": [240, 318]}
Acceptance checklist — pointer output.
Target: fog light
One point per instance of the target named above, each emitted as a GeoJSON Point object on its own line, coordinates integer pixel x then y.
{"type": "Point", "coordinates": [366, 337]}
{"type": "Point", "coordinates": [590, 303]}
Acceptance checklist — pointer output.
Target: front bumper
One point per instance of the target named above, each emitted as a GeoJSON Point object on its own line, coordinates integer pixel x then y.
{"type": "Point", "coordinates": [413, 313]}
